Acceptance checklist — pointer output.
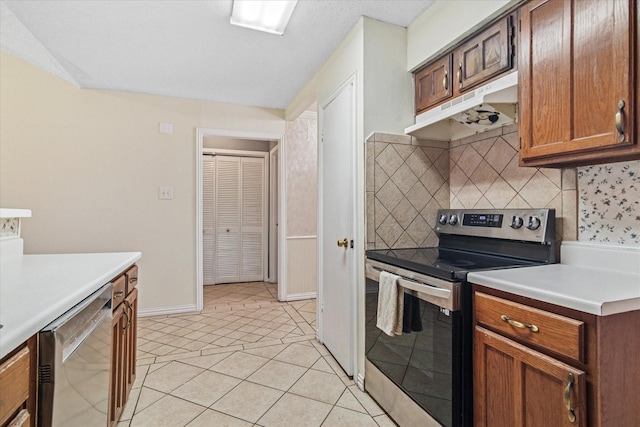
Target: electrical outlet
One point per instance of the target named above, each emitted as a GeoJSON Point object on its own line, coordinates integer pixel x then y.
{"type": "Point", "coordinates": [165, 193]}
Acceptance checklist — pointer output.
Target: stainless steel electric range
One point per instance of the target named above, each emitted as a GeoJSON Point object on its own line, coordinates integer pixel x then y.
{"type": "Point", "coordinates": [423, 376]}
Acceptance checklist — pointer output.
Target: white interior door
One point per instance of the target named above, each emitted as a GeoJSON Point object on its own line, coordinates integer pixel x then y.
{"type": "Point", "coordinates": [253, 220]}
{"type": "Point", "coordinates": [208, 219]}
{"type": "Point", "coordinates": [227, 256]}
{"type": "Point", "coordinates": [337, 205]}
{"type": "Point", "coordinates": [240, 219]}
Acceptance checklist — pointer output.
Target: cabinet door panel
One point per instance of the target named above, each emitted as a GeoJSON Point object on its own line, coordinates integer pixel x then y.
{"type": "Point", "coordinates": [575, 67]}
{"type": "Point", "coordinates": [484, 56]}
{"type": "Point", "coordinates": [516, 386]}
{"type": "Point", "coordinates": [433, 83]}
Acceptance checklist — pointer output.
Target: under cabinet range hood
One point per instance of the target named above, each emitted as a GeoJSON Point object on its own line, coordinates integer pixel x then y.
{"type": "Point", "coordinates": [487, 107]}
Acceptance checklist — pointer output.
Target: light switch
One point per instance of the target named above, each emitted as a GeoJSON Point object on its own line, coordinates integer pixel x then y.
{"type": "Point", "coordinates": [166, 127]}
{"type": "Point", "coordinates": [165, 193]}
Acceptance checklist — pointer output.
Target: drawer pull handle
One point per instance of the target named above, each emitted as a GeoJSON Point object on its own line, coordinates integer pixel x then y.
{"type": "Point", "coordinates": [620, 121]}
{"type": "Point", "coordinates": [567, 398]}
{"type": "Point", "coordinates": [133, 280]}
{"type": "Point", "coordinates": [118, 294]}
{"type": "Point", "coordinates": [516, 324]}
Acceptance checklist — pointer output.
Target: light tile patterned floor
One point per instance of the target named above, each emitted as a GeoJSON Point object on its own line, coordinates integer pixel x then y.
{"type": "Point", "coordinates": [245, 360]}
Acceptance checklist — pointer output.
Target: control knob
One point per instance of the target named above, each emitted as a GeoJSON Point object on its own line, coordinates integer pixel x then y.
{"type": "Point", "coordinates": [534, 223]}
{"type": "Point", "coordinates": [516, 221]}
{"type": "Point", "coordinates": [453, 219]}
{"type": "Point", "coordinates": [442, 219]}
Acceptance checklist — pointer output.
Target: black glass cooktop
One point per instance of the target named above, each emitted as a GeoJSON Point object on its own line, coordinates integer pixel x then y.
{"type": "Point", "coordinates": [447, 264]}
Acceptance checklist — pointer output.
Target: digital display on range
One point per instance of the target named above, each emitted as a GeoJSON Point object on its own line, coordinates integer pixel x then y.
{"type": "Point", "coordinates": [482, 220]}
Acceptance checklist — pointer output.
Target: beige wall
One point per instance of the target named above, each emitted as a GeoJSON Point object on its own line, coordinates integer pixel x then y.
{"type": "Point", "coordinates": [89, 164]}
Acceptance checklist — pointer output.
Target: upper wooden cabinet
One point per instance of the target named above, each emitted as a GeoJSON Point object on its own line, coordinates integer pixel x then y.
{"type": "Point", "coordinates": [477, 59]}
{"type": "Point", "coordinates": [433, 83]}
{"type": "Point", "coordinates": [485, 55]}
{"type": "Point", "coordinates": [577, 82]}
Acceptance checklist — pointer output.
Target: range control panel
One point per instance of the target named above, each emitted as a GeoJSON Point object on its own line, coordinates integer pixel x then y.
{"type": "Point", "coordinates": [535, 225]}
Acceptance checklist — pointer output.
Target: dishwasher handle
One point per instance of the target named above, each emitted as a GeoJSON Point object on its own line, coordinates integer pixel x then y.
{"type": "Point", "coordinates": [77, 340]}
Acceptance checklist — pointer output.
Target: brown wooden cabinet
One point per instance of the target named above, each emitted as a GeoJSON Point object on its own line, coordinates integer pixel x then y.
{"type": "Point", "coordinates": [485, 55]}
{"type": "Point", "coordinates": [18, 387]}
{"type": "Point", "coordinates": [538, 364]}
{"type": "Point", "coordinates": [480, 58]}
{"type": "Point", "coordinates": [124, 326]}
{"type": "Point", "coordinates": [433, 83]}
{"type": "Point", "coordinates": [578, 82]}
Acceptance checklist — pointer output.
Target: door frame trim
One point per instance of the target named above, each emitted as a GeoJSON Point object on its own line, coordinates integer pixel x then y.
{"type": "Point", "coordinates": [350, 81]}
{"type": "Point", "coordinates": [201, 133]}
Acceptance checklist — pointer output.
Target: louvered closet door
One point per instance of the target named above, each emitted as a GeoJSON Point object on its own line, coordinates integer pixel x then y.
{"type": "Point", "coordinates": [208, 219]}
{"type": "Point", "coordinates": [227, 210]}
{"type": "Point", "coordinates": [252, 224]}
{"type": "Point", "coordinates": [239, 219]}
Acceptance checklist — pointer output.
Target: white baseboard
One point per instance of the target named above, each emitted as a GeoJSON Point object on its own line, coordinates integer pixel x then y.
{"type": "Point", "coordinates": [163, 311]}
{"type": "Point", "coordinates": [305, 295]}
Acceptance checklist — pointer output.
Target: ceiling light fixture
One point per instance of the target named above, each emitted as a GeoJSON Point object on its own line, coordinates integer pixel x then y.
{"type": "Point", "coordinates": [271, 16]}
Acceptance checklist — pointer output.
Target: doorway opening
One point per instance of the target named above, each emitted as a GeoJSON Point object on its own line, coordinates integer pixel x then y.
{"type": "Point", "coordinates": [260, 154]}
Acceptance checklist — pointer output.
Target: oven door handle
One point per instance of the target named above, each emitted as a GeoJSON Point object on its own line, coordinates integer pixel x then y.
{"type": "Point", "coordinates": [374, 274]}
{"type": "Point", "coordinates": [425, 289]}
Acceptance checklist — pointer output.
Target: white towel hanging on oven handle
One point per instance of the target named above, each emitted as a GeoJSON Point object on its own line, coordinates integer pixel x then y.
{"type": "Point", "coordinates": [390, 304]}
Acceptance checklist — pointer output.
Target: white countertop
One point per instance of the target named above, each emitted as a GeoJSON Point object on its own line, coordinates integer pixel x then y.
{"type": "Point", "coordinates": [596, 279]}
{"type": "Point", "coordinates": [37, 289]}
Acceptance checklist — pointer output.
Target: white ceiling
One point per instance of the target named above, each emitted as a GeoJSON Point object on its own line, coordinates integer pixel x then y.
{"type": "Point", "coordinates": [185, 49]}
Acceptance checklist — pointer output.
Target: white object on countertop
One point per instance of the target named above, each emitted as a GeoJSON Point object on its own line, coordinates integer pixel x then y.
{"type": "Point", "coordinates": [15, 213]}
{"type": "Point", "coordinates": [37, 289]}
{"type": "Point", "coordinates": [593, 278]}
{"type": "Point", "coordinates": [390, 304]}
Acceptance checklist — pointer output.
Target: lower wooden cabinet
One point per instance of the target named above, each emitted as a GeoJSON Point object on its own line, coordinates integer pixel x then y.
{"type": "Point", "coordinates": [124, 327]}
{"type": "Point", "coordinates": [517, 386]}
{"type": "Point", "coordinates": [539, 364]}
{"type": "Point", "coordinates": [18, 387]}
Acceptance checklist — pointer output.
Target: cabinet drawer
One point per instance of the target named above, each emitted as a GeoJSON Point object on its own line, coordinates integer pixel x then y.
{"type": "Point", "coordinates": [131, 276]}
{"type": "Point", "coordinates": [14, 383]}
{"type": "Point", "coordinates": [119, 291]}
{"type": "Point", "coordinates": [559, 334]}
{"type": "Point", "coordinates": [22, 419]}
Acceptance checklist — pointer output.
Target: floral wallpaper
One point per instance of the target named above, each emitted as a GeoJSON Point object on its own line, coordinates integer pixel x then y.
{"type": "Point", "coordinates": [9, 227]}
{"type": "Point", "coordinates": [302, 175]}
{"type": "Point", "coordinates": [609, 203]}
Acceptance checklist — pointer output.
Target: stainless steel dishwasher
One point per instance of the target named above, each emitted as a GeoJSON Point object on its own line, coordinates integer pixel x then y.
{"type": "Point", "coordinates": [74, 360]}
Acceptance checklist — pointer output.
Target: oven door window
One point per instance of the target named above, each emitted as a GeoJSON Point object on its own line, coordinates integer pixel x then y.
{"type": "Point", "coordinates": [421, 360]}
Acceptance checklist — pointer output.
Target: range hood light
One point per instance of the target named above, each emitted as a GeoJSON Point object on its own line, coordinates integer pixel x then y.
{"type": "Point", "coordinates": [271, 16]}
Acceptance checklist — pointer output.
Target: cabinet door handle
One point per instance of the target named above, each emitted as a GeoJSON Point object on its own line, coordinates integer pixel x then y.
{"type": "Point", "coordinates": [445, 81]}
{"type": "Point", "coordinates": [567, 398]}
{"type": "Point", "coordinates": [124, 311]}
{"type": "Point", "coordinates": [460, 75]}
{"type": "Point", "coordinates": [620, 121]}
{"type": "Point", "coordinates": [516, 324]}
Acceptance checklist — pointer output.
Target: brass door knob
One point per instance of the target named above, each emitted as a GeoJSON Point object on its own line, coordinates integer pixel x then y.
{"type": "Point", "coordinates": [344, 243]}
